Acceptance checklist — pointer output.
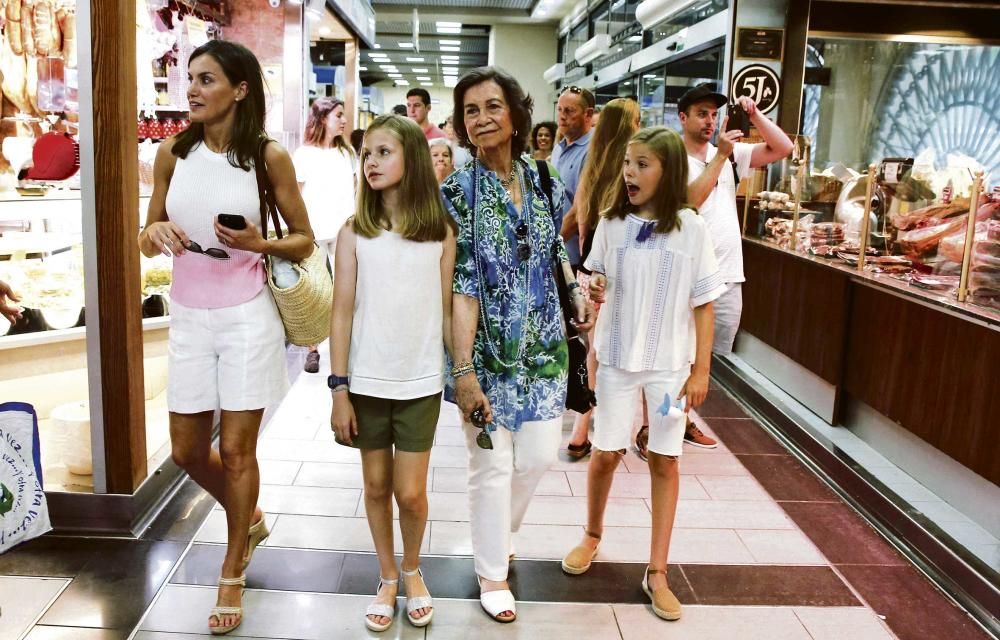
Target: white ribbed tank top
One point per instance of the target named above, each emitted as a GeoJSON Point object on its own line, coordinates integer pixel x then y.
{"type": "Point", "coordinates": [397, 344]}
{"type": "Point", "coordinates": [204, 185]}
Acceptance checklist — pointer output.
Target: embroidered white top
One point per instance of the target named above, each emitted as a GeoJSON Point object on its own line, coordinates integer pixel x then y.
{"type": "Point", "coordinates": [653, 285]}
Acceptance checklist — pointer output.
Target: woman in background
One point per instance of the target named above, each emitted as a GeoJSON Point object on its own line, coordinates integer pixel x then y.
{"type": "Point", "coordinates": [543, 138]}
{"type": "Point", "coordinates": [326, 167]}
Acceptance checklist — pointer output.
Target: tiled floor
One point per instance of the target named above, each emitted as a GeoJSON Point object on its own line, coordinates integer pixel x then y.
{"type": "Point", "coordinates": [761, 549]}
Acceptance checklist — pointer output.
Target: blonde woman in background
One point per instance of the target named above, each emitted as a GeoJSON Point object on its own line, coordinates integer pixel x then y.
{"type": "Point", "coordinates": [326, 170]}
{"type": "Point", "coordinates": [601, 174]}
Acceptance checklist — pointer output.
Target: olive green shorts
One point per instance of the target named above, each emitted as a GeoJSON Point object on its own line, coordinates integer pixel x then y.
{"type": "Point", "coordinates": [407, 424]}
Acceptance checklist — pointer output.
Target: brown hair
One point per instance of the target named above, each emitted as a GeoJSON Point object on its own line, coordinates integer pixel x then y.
{"type": "Point", "coordinates": [602, 171]}
{"type": "Point", "coordinates": [315, 133]}
{"type": "Point", "coordinates": [426, 218]}
{"type": "Point", "coordinates": [519, 103]}
{"type": "Point", "coordinates": [671, 194]}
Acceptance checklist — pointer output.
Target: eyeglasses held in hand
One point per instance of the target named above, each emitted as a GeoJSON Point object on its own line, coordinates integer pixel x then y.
{"type": "Point", "coordinates": [211, 252]}
{"type": "Point", "coordinates": [483, 440]}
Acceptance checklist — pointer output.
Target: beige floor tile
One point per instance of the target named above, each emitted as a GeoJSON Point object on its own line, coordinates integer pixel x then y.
{"type": "Point", "coordinates": [462, 619]}
{"type": "Point", "coordinates": [712, 463]}
{"type": "Point", "coordinates": [214, 529]}
{"type": "Point", "coordinates": [781, 547]}
{"type": "Point", "coordinates": [317, 501]}
{"type": "Point", "coordinates": [278, 471]}
{"type": "Point", "coordinates": [449, 436]}
{"type": "Point", "coordinates": [337, 534]}
{"type": "Point", "coordinates": [454, 480]}
{"type": "Point", "coordinates": [839, 623]}
{"type": "Point", "coordinates": [275, 614]}
{"type": "Point", "coordinates": [636, 485]}
{"type": "Point", "coordinates": [23, 600]}
{"type": "Point", "coordinates": [626, 512]}
{"type": "Point", "coordinates": [306, 451]}
{"type": "Point", "coordinates": [731, 514]}
{"type": "Point", "coordinates": [733, 488]}
{"type": "Point", "coordinates": [638, 622]}
{"type": "Point", "coordinates": [707, 546]}
{"type": "Point", "coordinates": [450, 456]}
{"type": "Point", "coordinates": [450, 538]}
{"type": "Point", "coordinates": [330, 474]}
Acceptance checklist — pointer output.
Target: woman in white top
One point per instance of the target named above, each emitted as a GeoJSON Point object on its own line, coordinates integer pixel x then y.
{"type": "Point", "coordinates": [325, 166]}
{"type": "Point", "coordinates": [226, 343]}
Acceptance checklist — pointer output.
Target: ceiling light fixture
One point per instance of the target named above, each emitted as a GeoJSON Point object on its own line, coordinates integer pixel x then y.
{"type": "Point", "coordinates": [378, 46]}
{"type": "Point", "coordinates": [414, 59]}
{"type": "Point", "coordinates": [451, 49]}
{"type": "Point", "coordinates": [405, 45]}
{"type": "Point", "coordinates": [404, 83]}
{"type": "Point", "coordinates": [450, 42]}
{"type": "Point", "coordinates": [395, 75]}
{"type": "Point", "coordinates": [425, 78]}
{"type": "Point", "coordinates": [427, 84]}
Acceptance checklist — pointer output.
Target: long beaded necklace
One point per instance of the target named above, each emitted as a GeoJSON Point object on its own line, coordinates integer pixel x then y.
{"type": "Point", "coordinates": [522, 342]}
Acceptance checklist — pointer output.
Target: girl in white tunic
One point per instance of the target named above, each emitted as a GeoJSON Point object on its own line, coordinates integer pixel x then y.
{"type": "Point", "coordinates": [391, 321]}
{"type": "Point", "coordinates": [654, 269]}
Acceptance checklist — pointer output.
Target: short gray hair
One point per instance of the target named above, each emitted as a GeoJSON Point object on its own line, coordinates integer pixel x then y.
{"type": "Point", "coordinates": [442, 142]}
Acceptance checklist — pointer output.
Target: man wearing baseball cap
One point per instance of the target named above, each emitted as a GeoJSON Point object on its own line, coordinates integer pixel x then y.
{"type": "Point", "coordinates": [712, 189]}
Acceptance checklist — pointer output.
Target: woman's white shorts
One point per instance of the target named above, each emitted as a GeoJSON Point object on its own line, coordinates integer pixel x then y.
{"type": "Point", "coordinates": [231, 358]}
{"type": "Point", "coordinates": [617, 400]}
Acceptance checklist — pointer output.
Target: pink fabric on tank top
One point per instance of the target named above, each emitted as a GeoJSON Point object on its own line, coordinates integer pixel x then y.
{"type": "Point", "coordinates": [204, 185]}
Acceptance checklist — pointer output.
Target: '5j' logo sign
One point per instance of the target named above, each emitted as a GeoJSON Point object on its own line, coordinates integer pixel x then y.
{"type": "Point", "coordinates": [760, 84]}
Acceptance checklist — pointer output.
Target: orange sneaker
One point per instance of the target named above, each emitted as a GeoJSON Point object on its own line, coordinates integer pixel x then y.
{"type": "Point", "coordinates": [696, 437]}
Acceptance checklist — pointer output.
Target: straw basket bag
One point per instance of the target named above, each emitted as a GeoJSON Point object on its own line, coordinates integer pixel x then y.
{"type": "Point", "coordinates": [305, 306]}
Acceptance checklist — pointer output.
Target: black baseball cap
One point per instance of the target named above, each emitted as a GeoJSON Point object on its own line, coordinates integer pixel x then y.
{"type": "Point", "coordinates": [704, 91]}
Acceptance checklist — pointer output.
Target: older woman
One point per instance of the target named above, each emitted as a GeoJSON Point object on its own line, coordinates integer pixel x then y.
{"type": "Point", "coordinates": [510, 347]}
{"type": "Point", "coordinates": [441, 157]}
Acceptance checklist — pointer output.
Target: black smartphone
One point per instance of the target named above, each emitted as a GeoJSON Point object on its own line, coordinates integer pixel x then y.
{"type": "Point", "coordinates": [232, 221]}
{"type": "Point", "coordinates": [738, 119]}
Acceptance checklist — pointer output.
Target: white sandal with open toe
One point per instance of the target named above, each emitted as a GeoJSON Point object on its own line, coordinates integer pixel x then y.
{"type": "Point", "coordinates": [379, 609]}
{"type": "Point", "coordinates": [219, 612]}
{"type": "Point", "coordinates": [418, 602]}
{"type": "Point", "coordinates": [496, 602]}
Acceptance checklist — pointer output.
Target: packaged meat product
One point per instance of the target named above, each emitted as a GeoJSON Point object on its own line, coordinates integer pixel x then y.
{"type": "Point", "coordinates": [929, 215]}
{"type": "Point", "coordinates": [924, 241]}
{"type": "Point", "coordinates": [986, 297]}
{"type": "Point", "coordinates": [934, 282]}
{"type": "Point", "coordinates": [952, 246]}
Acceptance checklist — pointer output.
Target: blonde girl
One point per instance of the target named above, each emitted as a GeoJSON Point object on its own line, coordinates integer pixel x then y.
{"type": "Point", "coordinates": [601, 174]}
{"type": "Point", "coordinates": [391, 318]}
{"type": "Point", "coordinates": [652, 261]}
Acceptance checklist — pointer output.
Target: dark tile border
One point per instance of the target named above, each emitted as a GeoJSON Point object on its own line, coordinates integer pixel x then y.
{"type": "Point", "coordinates": [964, 584]}
{"type": "Point", "coordinates": [356, 573]}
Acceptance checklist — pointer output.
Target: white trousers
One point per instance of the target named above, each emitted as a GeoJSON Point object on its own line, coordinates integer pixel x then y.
{"type": "Point", "coordinates": [502, 481]}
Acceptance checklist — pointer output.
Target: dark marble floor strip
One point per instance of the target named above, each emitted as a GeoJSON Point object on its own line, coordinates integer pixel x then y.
{"type": "Point", "coordinates": [532, 580]}
{"type": "Point", "coordinates": [913, 607]}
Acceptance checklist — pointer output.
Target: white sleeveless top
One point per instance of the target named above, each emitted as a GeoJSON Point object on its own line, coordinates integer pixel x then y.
{"type": "Point", "coordinates": [205, 184]}
{"type": "Point", "coordinates": [397, 340]}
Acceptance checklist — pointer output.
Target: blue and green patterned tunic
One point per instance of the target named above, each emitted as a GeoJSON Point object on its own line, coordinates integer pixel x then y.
{"type": "Point", "coordinates": [517, 296]}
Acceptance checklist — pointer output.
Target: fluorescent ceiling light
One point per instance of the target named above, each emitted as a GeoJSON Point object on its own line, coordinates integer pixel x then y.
{"type": "Point", "coordinates": [451, 49]}
{"type": "Point", "coordinates": [362, 68]}
{"type": "Point", "coordinates": [378, 46]}
{"type": "Point", "coordinates": [395, 75]}
{"type": "Point", "coordinates": [414, 59]}
{"type": "Point", "coordinates": [450, 42]}
{"type": "Point", "coordinates": [451, 28]}
{"type": "Point", "coordinates": [442, 23]}
{"type": "Point", "coordinates": [449, 31]}
{"type": "Point", "coordinates": [387, 67]}
{"type": "Point", "coordinates": [427, 84]}
{"type": "Point", "coordinates": [421, 70]}
{"type": "Point", "coordinates": [405, 45]}
{"type": "Point", "coordinates": [446, 58]}
{"type": "Point", "coordinates": [423, 78]}
{"type": "Point", "coordinates": [404, 83]}
{"type": "Point", "coordinates": [636, 38]}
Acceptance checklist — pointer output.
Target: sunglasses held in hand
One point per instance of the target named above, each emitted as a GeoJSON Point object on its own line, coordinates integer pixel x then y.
{"type": "Point", "coordinates": [483, 440]}
{"type": "Point", "coordinates": [211, 252]}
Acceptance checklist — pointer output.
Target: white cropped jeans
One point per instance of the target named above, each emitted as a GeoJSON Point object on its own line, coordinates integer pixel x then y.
{"type": "Point", "coordinates": [502, 482]}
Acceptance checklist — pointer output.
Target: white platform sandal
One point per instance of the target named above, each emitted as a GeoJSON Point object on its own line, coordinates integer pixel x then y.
{"type": "Point", "coordinates": [379, 609]}
{"type": "Point", "coordinates": [219, 612]}
{"type": "Point", "coordinates": [496, 602]}
{"type": "Point", "coordinates": [418, 602]}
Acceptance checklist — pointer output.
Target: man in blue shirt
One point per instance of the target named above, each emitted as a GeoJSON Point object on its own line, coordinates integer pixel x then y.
{"type": "Point", "coordinates": [575, 115]}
